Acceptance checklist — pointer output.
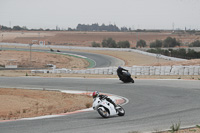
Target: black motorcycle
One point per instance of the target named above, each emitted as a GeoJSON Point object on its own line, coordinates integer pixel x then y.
{"type": "Point", "coordinates": [125, 77]}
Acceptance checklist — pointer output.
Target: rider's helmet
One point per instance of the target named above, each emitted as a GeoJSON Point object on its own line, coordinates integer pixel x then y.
{"type": "Point", "coordinates": [95, 94]}
{"type": "Point", "coordinates": [119, 67]}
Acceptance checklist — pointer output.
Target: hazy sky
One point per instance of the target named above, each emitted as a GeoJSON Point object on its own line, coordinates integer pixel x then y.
{"type": "Point", "coordinates": [143, 14]}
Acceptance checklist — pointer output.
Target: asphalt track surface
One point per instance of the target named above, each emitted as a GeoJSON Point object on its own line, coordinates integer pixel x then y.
{"type": "Point", "coordinates": [98, 59]}
{"type": "Point", "coordinates": [153, 105]}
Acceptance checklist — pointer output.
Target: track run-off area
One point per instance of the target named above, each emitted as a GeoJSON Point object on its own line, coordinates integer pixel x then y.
{"type": "Point", "coordinates": [153, 105]}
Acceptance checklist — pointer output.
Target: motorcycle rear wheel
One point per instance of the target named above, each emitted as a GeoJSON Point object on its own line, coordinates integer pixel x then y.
{"type": "Point", "coordinates": [104, 114]}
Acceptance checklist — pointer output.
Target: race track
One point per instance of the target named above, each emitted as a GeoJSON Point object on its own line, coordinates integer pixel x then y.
{"type": "Point", "coordinates": [99, 60]}
{"type": "Point", "coordinates": [153, 105]}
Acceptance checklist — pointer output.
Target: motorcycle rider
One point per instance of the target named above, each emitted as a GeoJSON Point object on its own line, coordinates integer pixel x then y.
{"type": "Point", "coordinates": [120, 72]}
{"type": "Point", "coordinates": [101, 97]}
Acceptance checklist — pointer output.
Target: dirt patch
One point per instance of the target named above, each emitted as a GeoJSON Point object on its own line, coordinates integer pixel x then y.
{"type": "Point", "coordinates": [21, 103]}
{"type": "Point", "coordinates": [188, 130]}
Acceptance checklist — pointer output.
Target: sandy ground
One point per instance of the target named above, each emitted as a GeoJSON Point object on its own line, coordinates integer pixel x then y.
{"type": "Point", "coordinates": [20, 103]}
{"type": "Point", "coordinates": [188, 130]}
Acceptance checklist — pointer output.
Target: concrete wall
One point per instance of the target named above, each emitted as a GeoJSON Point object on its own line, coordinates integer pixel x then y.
{"type": "Point", "coordinates": [145, 70]}
{"type": "Point", "coordinates": [10, 66]}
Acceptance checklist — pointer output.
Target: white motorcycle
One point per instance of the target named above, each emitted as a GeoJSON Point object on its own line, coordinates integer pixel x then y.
{"type": "Point", "coordinates": [107, 109]}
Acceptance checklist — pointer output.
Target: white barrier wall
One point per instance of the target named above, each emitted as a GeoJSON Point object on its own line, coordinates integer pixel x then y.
{"type": "Point", "coordinates": [134, 70]}
{"type": "Point", "coordinates": [144, 70]}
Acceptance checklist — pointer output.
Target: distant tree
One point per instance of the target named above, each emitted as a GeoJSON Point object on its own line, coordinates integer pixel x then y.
{"type": "Point", "coordinates": [17, 28]}
{"type": "Point", "coordinates": [195, 44]}
{"type": "Point", "coordinates": [97, 27]}
{"type": "Point", "coordinates": [182, 52]}
{"type": "Point", "coordinates": [141, 43]}
{"type": "Point", "coordinates": [94, 44]}
{"type": "Point", "coordinates": [123, 44]}
{"type": "Point", "coordinates": [24, 28]}
{"type": "Point", "coordinates": [156, 44]}
{"type": "Point", "coordinates": [193, 54]}
{"type": "Point", "coordinates": [170, 42]}
{"type": "Point", "coordinates": [166, 52]}
{"type": "Point", "coordinates": [109, 43]}
{"type": "Point", "coordinates": [70, 29]}
{"type": "Point", "coordinates": [40, 29]}
{"type": "Point", "coordinates": [124, 29]}
{"type": "Point", "coordinates": [5, 28]}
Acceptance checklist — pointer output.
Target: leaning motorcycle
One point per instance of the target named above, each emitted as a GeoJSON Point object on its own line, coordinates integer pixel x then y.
{"type": "Point", "coordinates": [107, 109]}
{"type": "Point", "coordinates": [126, 77]}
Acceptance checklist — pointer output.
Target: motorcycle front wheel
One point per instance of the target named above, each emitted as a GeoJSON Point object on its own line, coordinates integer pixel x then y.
{"type": "Point", "coordinates": [121, 111]}
{"type": "Point", "coordinates": [104, 114]}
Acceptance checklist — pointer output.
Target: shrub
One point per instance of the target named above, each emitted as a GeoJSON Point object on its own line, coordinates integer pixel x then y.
{"type": "Point", "coordinates": [175, 127]}
{"type": "Point", "coordinates": [109, 43]}
{"type": "Point", "coordinates": [94, 44]}
{"type": "Point", "coordinates": [156, 44]}
{"type": "Point", "coordinates": [170, 42]}
{"type": "Point", "coordinates": [195, 44]}
{"type": "Point", "coordinates": [197, 126]}
{"type": "Point", "coordinates": [123, 44]}
{"type": "Point", "coordinates": [180, 53]}
{"type": "Point", "coordinates": [141, 43]}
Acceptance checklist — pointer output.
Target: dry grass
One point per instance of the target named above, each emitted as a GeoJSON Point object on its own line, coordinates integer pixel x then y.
{"type": "Point", "coordinates": [188, 130]}
{"type": "Point", "coordinates": [20, 103]}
